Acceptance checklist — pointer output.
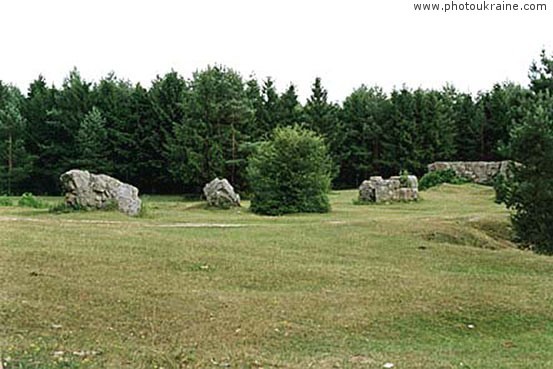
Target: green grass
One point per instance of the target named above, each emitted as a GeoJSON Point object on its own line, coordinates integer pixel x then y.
{"type": "Point", "coordinates": [186, 286]}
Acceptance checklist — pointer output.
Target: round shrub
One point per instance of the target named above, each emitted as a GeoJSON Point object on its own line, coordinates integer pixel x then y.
{"type": "Point", "coordinates": [435, 178]}
{"type": "Point", "coordinates": [290, 173]}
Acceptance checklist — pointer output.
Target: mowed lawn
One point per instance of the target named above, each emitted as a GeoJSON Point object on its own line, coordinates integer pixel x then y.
{"type": "Point", "coordinates": [432, 284]}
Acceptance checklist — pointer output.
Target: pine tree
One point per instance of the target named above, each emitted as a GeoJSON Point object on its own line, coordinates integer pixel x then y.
{"type": "Point", "coordinates": [530, 192]}
{"type": "Point", "coordinates": [15, 162]}
{"type": "Point", "coordinates": [435, 127]}
{"type": "Point", "coordinates": [500, 108]}
{"type": "Point", "coordinates": [206, 143]}
{"type": "Point", "coordinates": [255, 130]}
{"type": "Point", "coordinates": [92, 143]}
{"type": "Point", "coordinates": [541, 75]}
{"type": "Point", "coordinates": [168, 107]}
{"type": "Point", "coordinates": [269, 117]}
{"type": "Point", "coordinates": [467, 124]}
{"type": "Point", "coordinates": [399, 139]}
{"type": "Point", "coordinates": [321, 116]}
{"type": "Point", "coordinates": [71, 104]}
{"type": "Point", "coordinates": [42, 142]}
{"type": "Point", "coordinates": [363, 116]}
{"type": "Point", "coordinates": [113, 98]}
{"type": "Point", "coordinates": [290, 110]}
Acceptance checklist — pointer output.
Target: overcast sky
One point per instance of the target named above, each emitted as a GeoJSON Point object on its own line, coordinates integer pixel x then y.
{"type": "Point", "coordinates": [346, 42]}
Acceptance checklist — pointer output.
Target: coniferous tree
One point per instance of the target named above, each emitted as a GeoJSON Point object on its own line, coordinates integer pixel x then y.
{"type": "Point", "coordinates": [467, 123]}
{"type": "Point", "coordinates": [92, 144]}
{"type": "Point", "coordinates": [206, 143]}
{"type": "Point", "coordinates": [269, 117]}
{"type": "Point", "coordinates": [290, 109]}
{"type": "Point", "coordinates": [530, 190]}
{"type": "Point", "coordinates": [38, 110]}
{"type": "Point", "coordinates": [71, 104]}
{"type": "Point", "coordinates": [400, 134]}
{"type": "Point", "coordinates": [15, 162]}
{"type": "Point", "coordinates": [253, 94]}
{"type": "Point", "coordinates": [541, 75]}
{"type": "Point", "coordinates": [364, 114]}
{"type": "Point", "coordinates": [113, 98]}
{"type": "Point", "coordinates": [500, 108]}
{"type": "Point", "coordinates": [435, 127]}
{"type": "Point", "coordinates": [321, 116]}
{"type": "Point", "coordinates": [168, 98]}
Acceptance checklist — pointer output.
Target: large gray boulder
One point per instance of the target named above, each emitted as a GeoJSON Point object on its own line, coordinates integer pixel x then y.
{"type": "Point", "coordinates": [376, 189]}
{"type": "Point", "coordinates": [219, 193]}
{"type": "Point", "coordinates": [98, 191]}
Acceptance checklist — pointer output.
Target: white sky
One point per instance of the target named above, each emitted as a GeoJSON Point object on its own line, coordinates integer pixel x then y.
{"type": "Point", "coordinates": [346, 42]}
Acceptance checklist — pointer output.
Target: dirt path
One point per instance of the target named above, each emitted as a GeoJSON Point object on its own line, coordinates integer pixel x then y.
{"type": "Point", "coordinates": [118, 222]}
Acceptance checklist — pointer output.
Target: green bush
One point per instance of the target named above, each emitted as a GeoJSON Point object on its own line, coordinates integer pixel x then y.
{"type": "Point", "coordinates": [5, 201]}
{"type": "Point", "coordinates": [502, 187]}
{"type": "Point", "coordinates": [63, 207]}
{"type": "Point", "coordinates": [404, 178]}
{"type": "Point", "coordinates": [29, 201]}
{"type": "Point", "coordinates": [435, 178]}
{"type": "Point", "coordinates": [144, 208]}
{"type": "Point", "coordinates": [290, 173]}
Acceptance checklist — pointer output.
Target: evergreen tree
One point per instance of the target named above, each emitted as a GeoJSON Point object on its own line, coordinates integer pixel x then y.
{"type": "Point", "coordinates": [253, 94]}
{"type": "Point", "coordinates": [290, 110]}
{"type": "Point", "coordinates": [435, 127]}
{"type": "Point", "coordinates": [399, 140]}
{"type": "Point", "coordinates": [15, 162]}
{"type": "Point", "coordinates": [541, 75]}
{"type": "Point", "coordinates": [42, 142]}
{"type": "Point", "coordinates": [530, 191]}
{"type": "Point", "coordinates": [500, 108]}
{"type": "Point", "coordinates": [71, 103]}
{"type": "Point", "coordinates": [149, 163]}
{"type": "Point", "coordinates": [206, 143]}
{"type": "Point", "coordinates": [467, 127]}
{"type": "Point", "coordinates": [321, 116]}
{"type": "Point", "coordinates": [364, 114]}
{"type": "Point", "coordinates": [168, 98]}
{"type": "Point", "coordinates": [269, 114]}
{"type": "Point", "coordinates": [92, 144]}
{"type": "Point", "coordinates": [112, 98]}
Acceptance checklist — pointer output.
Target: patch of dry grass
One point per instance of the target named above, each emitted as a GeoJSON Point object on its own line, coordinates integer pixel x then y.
{"type": "Point", "coordinates": [431, 284]}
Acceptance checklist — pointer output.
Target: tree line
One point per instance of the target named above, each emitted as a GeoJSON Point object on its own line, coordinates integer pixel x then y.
{"type": "Point", "coordinates": [179, 133]}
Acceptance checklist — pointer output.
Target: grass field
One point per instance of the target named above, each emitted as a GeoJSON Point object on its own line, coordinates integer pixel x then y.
{"type": "Point", "coordinates": [433, 284]}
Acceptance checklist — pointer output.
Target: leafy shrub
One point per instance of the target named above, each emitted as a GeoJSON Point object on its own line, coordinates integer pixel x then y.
{"type": "Point", "coordinates": [29, 201]}
{"type": "Point", "coordinates": [63, 207]}
{"type": "Point", "coordinates": [144, 208]}
{"type": "Point", "coordinates": [5, 201]}
{"type": "Point", "coordinates": [110, 205]}
{"type": "Point", "coordinates": [290, 174]}
{"type": "Point", "coordinates": [435, 178]}
{"type": "Point", "coordinates": [404, 178]}
{"type": "Point", "coordinates": [502, 187]}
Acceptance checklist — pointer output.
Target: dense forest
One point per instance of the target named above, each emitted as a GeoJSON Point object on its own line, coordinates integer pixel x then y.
{"type": "Point", "coordinates": [179, 133]}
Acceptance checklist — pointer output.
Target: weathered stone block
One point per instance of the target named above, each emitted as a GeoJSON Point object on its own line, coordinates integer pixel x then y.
{"type": "Point", "coordinates": [220, 193]}
{"type": "Point", "coordinates": [377, 189]}
{"type": "Point", "coordinates": [98, 191]}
